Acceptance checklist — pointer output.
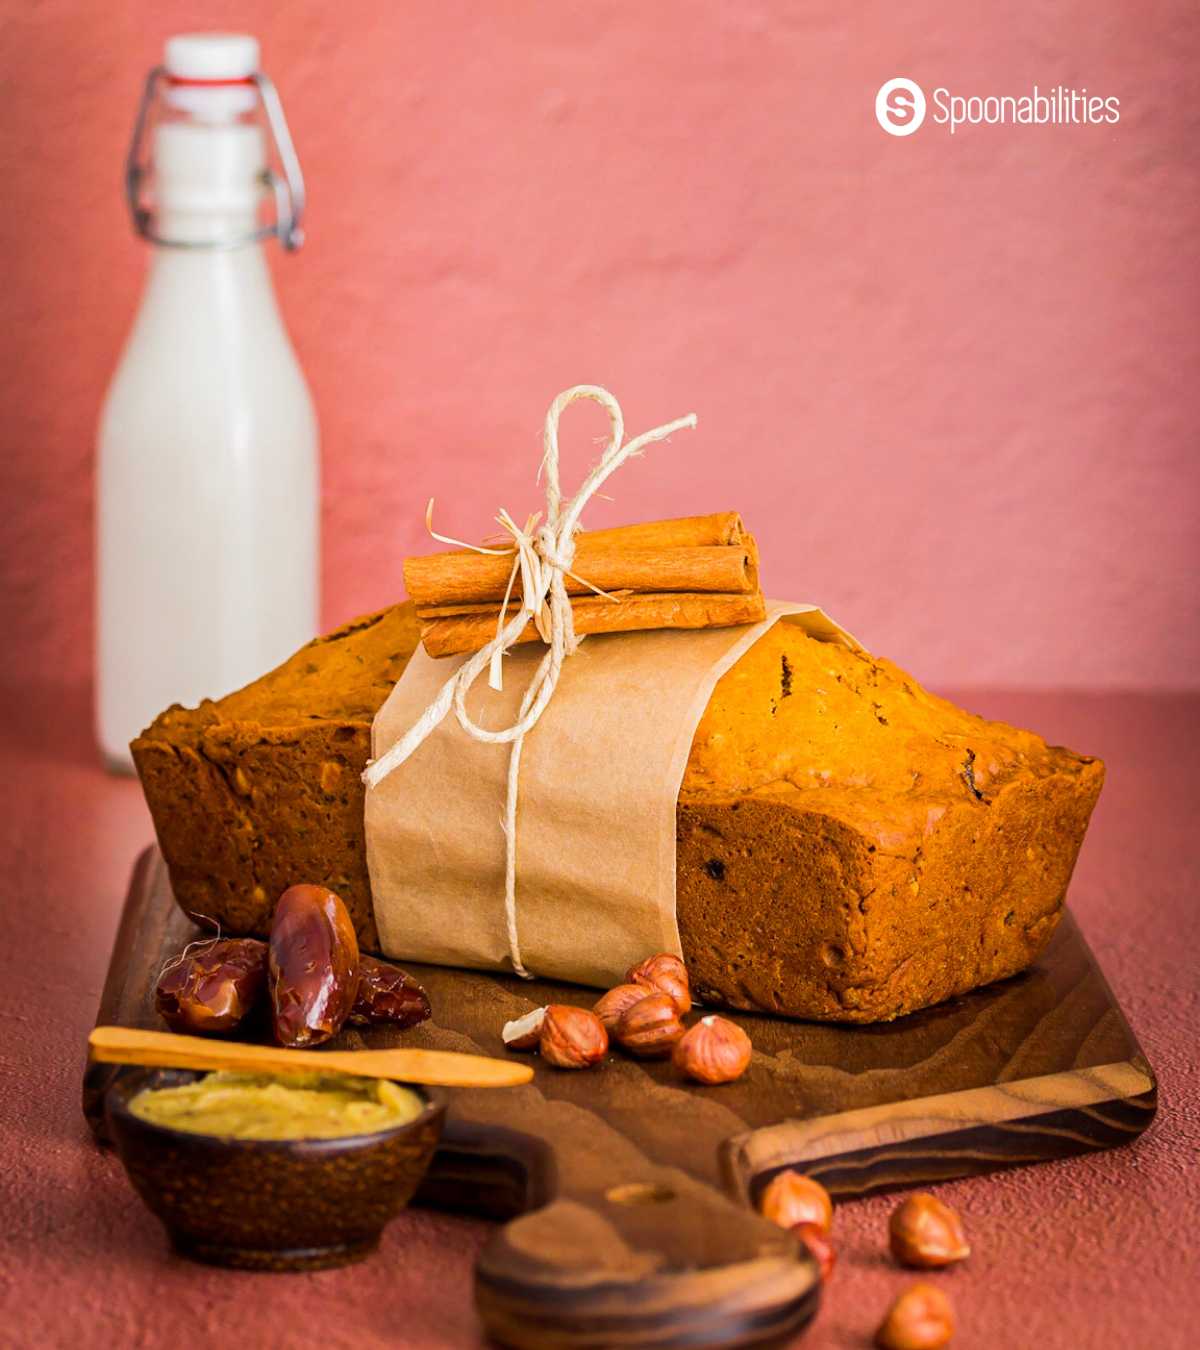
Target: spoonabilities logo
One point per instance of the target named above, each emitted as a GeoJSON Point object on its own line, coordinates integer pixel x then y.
{"type": "Point", "coordinates": [900, 106]}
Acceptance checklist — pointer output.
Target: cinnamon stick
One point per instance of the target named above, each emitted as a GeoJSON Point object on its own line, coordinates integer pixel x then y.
{"type": "Point", "coordinates": [470, 578]}
{"type": "Point", "coordinates": [722, 527]}
{"type": "Point", "coordinates": [690, 554]}
{"type": "Point", "coordinates": [446, 635]}
{"type": "Point", "coordinates": [485, 608]}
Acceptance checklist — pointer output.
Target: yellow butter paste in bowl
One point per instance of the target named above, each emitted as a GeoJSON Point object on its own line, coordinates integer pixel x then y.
{"type": "Point", "coordinates": [279, 1106]}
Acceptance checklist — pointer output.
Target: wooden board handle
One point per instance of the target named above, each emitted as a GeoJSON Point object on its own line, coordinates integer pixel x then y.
{"type": "Point", "coordinates": [655, 1260]}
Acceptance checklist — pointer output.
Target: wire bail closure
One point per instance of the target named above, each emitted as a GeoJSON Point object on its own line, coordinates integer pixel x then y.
{"type": "Point", "coordinates": [288, 191]}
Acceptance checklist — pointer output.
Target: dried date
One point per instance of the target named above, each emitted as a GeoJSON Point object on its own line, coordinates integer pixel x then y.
{"type": "Point", "coordinates": [313, 966]}
{"type": "Point", "coordinates": [211, 987]}
{"type": "Point", "coordinates": [387, 996]}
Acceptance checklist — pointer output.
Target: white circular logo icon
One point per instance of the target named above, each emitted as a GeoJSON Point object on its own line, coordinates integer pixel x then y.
{"type": "Point", "coordinates": [900, 106]}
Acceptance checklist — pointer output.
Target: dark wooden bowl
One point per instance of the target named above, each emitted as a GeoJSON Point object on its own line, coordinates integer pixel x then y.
{"type": "Point", "coordinates": [263, 1204]}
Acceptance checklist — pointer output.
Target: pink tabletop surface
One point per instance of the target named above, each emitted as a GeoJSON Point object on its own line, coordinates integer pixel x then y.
{"type": "Point", "coordinates": [1097, 1251]}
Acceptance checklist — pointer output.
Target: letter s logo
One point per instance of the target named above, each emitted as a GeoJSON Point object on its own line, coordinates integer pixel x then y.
{"type": "Point", "coordinates": [900, 106]}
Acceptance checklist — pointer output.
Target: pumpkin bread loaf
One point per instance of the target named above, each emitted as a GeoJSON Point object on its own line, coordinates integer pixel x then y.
{"type": "Point", "coordinates": [850, 847]}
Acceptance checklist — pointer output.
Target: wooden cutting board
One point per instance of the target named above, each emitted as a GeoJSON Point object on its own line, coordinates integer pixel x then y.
{"type": "Point", "coordinates": [628, 1197]}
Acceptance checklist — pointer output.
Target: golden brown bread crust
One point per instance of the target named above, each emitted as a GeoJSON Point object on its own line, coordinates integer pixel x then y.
{"type": "Point", "coordinates": [850, 847]}
{"type": "Point", "coordinates": [865, 848]}
{"type": "Point", "coordinates": [263, 788]}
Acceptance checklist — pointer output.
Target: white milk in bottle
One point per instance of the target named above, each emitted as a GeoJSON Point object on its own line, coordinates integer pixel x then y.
{"type": "Point", "coordinates": [207, 491]}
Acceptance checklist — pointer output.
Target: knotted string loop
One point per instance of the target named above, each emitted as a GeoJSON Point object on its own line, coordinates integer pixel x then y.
{"type": "Point", "coordinates": [543, 554]}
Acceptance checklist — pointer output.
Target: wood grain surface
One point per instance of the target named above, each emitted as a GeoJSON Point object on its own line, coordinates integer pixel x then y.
{"type": "Point", "coordinates": [628, 1195]}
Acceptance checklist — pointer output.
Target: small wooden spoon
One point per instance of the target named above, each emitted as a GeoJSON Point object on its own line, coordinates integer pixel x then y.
{"type": "Point", "coordinates": [165, 1049]}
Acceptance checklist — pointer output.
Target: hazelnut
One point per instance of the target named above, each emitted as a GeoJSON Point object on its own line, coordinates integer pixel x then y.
{"type": "Point", "coordinates": [816, 1239]}
{"type": "Point", "coordinates": [667, 975]}
{"type": "Point", "coordinates": [921, 1318]}
{"type": "Point", "coordinates": [651, 1027]}
{"type": "Point", "coordinates": [523, 1033]}
{"type": "Point", "coordinates": [925, 1233]}
{"type": "Point", "coordinates": [713, 1051]}
{"type": "Point", "coordinates": [792, 1198]}
{"type": "Point", "coordinates": [572, 1038]}
{"type": "Point", "coordinates": [610, 1008]}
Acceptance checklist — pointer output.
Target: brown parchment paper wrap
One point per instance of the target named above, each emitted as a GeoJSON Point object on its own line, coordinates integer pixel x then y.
{"type": "Point", "coordinates": [600, 777]}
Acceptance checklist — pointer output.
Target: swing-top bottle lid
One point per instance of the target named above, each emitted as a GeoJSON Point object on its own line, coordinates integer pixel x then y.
{"type": "Point", "coordinates": [211, 58]}
{"type": "Point", "coordinates": [204, 110]}
{"type": "Point", "coordinates": [209, 75]}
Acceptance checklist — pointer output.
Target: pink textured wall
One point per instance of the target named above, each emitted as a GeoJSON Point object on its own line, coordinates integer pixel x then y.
{"type": "Point", "coordinates": [950, 381]}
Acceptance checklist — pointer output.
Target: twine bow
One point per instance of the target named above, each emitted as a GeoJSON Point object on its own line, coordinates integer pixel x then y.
{"type": "Point", "coordinates": [543, 555]}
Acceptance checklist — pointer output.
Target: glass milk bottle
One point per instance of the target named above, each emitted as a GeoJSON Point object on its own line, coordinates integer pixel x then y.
{"type": "Point", "coordinates": [207, 510]}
